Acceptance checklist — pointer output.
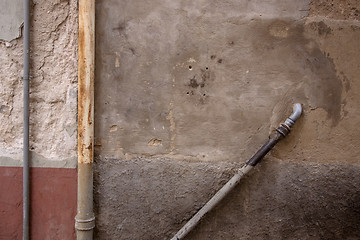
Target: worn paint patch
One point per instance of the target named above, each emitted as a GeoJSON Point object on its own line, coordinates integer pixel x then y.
{"type": "Point", "coordinates": [53, 203]}
{"type": "Point", "coordinates": [86, 82]}
{"type": "Point", "coordinates": [11, 19]}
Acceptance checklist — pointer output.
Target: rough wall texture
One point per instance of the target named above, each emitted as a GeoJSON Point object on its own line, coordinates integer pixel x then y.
{"type": "Point", "coordinates": [186, 91]}
{"type": "Point", "coordinates": [53, 84]}
{"type": "Point", "coordinates": [153, 198]}
{"type": "Point", "coordinates": [53, 107]}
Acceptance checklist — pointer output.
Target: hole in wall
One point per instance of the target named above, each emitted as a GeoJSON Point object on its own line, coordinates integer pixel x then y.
{"type": "Point", "coordinates": [113, 128]}
{"type": "Point", "coordinates": [154, 142]}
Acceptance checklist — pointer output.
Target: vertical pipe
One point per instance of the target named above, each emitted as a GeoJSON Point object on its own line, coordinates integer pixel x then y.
{"type": "Point", "coordinates": [85, 219]}
{"type": "Point", "coordinates": [26, 192]}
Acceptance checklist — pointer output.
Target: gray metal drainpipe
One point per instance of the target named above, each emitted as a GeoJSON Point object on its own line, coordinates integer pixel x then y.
{"type": "Point", "coordinates": [26, 178]}
{"type": "Point", "coordinates": [281, 132]}
{"type": "Point", "coordinates": [85, 219]}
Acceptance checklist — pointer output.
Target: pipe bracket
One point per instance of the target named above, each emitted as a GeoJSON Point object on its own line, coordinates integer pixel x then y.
{"type": "Point", "coordinates": [26, 78]}
{"type": "Point", "coordinates": [84, 224]}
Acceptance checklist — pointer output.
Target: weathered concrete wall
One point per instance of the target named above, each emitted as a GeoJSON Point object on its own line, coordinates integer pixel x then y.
{"type": "Point", "coordinates": [153, 198]}
{"type": "Point", "coordinates": [186, 91]}
{"type": "Point", "coordinates": [53, 107]}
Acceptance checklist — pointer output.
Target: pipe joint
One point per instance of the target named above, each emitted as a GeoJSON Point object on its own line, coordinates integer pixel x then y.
{"type": "Point", "coordinates": [26, 78]}
{"type": "Point", "coordinates": [285, 127]}
{"type": "Point", "coordinates": [84, 224]}
{"type": "Point", "coordinates": [281, 132]}
{"type": "Point", "coordinates": [289, 123]}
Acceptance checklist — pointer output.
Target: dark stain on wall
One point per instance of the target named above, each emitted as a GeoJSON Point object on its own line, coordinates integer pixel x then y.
{"type": "Point", "coordinates": [193, 82]}
{"type": "Point", "coordinates": [279, 200]}
{"type": "Point", "coordinates": [326, 85]}
{"type": "Point", "coordinates": [301, 210]}
{"type": "Point", "coordinates": [321, 28]}
{"type": "Point", "coordinates": [286, 40]}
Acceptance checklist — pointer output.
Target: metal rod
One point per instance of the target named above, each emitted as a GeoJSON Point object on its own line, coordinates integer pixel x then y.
{"type": "Point", "coordinates": [26, 170]}
{"type": "Point", "coordinates": [281, 132]}
{"type": "Point", "coordinates": [85, 219]}
{"type": "Point", "coordinates": [191, 224]}
{"type": "Point", "coordinates": [264, 150]}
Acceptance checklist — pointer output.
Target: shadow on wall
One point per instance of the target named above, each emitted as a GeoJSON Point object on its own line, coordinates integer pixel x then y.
{"type": "Point", "coordinates": [289, 201]}
{"type": "Point", "coordinates": [153, 198]}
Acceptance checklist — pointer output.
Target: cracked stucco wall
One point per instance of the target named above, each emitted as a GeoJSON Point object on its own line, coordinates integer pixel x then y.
{"type": "Point", "coordinates": [53, 85]}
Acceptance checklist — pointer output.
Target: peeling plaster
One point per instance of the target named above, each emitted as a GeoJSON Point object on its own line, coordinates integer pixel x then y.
{"type": "Point", "coordinates": [11, 19]}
